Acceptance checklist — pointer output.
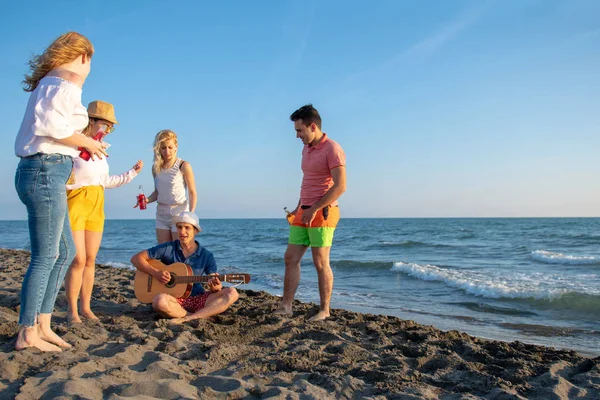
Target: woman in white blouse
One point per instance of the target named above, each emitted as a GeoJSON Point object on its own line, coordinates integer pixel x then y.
{"type": "Point", "coordinates": [47, 140]}
{"type": "Point", "coordinates": [85, 197]}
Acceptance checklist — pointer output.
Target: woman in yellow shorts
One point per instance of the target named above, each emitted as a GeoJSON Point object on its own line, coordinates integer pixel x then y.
{"type": "Point", "coordinates": [85, 197]}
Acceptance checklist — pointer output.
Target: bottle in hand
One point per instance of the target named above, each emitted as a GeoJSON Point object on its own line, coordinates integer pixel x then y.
{"type": "Point", "coordinates": [288, 215]}
{"type": "Point", "coordinates": [84, 154]}
{"type": "Point", "coordinates": [141, 199]}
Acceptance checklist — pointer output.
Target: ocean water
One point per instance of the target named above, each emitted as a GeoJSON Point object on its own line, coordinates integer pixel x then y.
{"type": "Point", "coordinates": [536, 280]}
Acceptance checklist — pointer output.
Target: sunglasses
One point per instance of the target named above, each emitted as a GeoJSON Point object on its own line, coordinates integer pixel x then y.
{"type": "Point", "coordinates": [109, 128]}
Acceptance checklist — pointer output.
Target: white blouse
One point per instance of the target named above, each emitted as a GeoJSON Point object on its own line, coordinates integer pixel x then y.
{"type": "Point", "coordinates": [54, 111]}
{"type": "Point", "coordinates": [95, 173]}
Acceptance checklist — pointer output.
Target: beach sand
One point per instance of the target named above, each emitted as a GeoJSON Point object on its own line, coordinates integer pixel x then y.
{"type": "Point", "coordinates": [247, 353]}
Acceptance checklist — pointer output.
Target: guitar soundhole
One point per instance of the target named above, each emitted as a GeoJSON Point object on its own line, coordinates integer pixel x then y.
{"type": "Point", "coordinates": [171, 282]}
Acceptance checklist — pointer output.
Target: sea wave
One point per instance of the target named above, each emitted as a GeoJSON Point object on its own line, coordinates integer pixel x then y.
{"type": "Point", "coordinates": [118, 264]}
{"type": "Point", "coordinates": [572, 301]}
{"type": "Point", "coordinates": [268, 280]}
{"type": "Point", "coordinates": [491, 309]}
{"type": "Point", "coordinates": [550, 257]}
{"type": "Point", "coordinates": [499, 286]}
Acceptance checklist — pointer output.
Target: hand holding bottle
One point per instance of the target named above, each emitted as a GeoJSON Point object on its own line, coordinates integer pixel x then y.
{"type": "Point", "coordinates": [94, 147]}
{"type": "Point", "coordinates": [289, 215]}
{"type": "Point", "coordinates": [141, 199]}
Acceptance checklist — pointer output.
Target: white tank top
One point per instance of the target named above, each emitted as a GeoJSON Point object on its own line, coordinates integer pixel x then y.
{"type": "Point", "coordinates": [170, 185]}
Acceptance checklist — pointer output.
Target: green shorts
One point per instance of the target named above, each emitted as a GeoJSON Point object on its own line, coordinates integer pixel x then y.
{"type": "Point", "coordinates": [320, 232]}
{"type": "Point", "coordinates": [313, 237]}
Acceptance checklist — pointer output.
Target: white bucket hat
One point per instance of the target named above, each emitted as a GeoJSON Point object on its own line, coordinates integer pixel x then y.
{"type": "Point", "coordinates": [189, 218]}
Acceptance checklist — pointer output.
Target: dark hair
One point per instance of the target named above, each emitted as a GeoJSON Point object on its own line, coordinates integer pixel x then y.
{"type": "Point", "coordinates": [308, 114]}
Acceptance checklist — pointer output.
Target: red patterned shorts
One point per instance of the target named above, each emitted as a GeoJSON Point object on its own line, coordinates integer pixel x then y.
{"type": "Point", "coordinates": [195, 303]}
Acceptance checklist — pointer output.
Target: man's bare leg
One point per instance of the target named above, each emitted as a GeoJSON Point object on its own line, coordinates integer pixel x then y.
{"type": "Point", "coordinates": [325, 275]}
{"type": "Point", "coordinates": [292, 258]}
{"type": "Point", "coordinates": [167, 306]}
{"type": "Point", "coordinates": [216, 303]}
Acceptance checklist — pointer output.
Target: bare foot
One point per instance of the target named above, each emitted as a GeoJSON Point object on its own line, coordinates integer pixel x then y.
{"type": "Point", "coordinates": [320, 316]}
{"type": "Point", "coordinates": [73, 319]}
{"type": "Point", "coordinates": [283, 310]}
{"type": "Point", "coordinates": [89, 315]}
{"type": "Point", "coordinates": [49, 336]}
{"type": "Point", "coordinates": [29, 337]}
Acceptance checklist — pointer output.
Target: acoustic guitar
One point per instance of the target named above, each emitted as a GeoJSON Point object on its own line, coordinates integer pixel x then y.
{"type": "Point", "coordinates": [146, 286]}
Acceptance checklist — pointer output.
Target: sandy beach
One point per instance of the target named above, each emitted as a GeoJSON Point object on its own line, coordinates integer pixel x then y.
{"type": "Point", "coordinates": [247, 353]}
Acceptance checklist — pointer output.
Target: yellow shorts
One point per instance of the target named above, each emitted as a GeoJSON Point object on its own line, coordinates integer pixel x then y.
{"type": "Point", "coordinates": [86, 208]}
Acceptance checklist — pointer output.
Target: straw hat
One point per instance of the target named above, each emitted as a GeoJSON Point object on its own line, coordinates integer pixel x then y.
{"type": "Point", "coordinates": [102, 110]}
{"type": "Point", "coordinates": [189, 218]}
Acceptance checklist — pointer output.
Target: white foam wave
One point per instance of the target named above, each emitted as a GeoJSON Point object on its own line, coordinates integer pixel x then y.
{"type": "Point", "coordinates": [272, 281]}
{"type": "Point", "coordinates": [551, 257]}
{"type": "Point", "coordinates": [480, 284]}
{"type": "Point", "coordinates": [118, 264]}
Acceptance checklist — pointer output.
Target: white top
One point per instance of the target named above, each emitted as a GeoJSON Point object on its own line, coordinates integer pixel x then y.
{"type": "Point", "coordinates": [95, 173]}
{"type": "Point", "coordinates": [170, 185]}
{"type": "Point", "coordinates": [54, 111]}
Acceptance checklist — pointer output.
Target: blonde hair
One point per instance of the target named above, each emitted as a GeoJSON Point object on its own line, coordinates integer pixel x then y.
{"type": "Point", "coordinates": [161, 137]}
{"type": "Point", "coordinates": [63, 50]}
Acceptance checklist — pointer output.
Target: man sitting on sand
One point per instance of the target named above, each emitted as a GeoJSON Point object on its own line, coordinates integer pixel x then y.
{"type": "Point", "coordinates": [200, 304]}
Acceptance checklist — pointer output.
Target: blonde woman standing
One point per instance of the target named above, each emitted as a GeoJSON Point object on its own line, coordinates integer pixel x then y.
{"type": "Point", "coordinates": [85, 197]}
{"type": "Point", "coordinates": [172, 176]}
{"type": "Point", "coordinates": [46, 143]}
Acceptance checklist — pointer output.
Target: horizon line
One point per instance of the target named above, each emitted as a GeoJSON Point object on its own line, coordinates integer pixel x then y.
{"type": "Point", "coordinates": [280, 218]}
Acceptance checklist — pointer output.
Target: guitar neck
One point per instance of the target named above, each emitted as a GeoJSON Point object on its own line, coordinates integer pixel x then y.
{"type": "Point", "coordinates": [179, 276]}
{"type": "Point", "coordinates": [198, 278]}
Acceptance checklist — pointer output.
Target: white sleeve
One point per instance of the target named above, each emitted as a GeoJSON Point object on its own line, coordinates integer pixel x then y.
{"type": "Point", "coordinates": [113, 181]}
{"type": "Point", "coordinates": [54, 109]}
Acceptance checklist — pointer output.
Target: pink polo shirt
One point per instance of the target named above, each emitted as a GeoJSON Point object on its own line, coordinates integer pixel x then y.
{"type": "Point", "coordinates": [317, 163]}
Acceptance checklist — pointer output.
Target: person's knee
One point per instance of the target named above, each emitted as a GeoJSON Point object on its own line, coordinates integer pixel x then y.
{"type": "Point", "coordinates": [232, 295]}
{"type": "Point", "coordinates": [321, 263]}
{"type": "Point", "coordinates": [78, 262]}
{"type": "Point", "coordinates": [90, 262]}
{"type": "Point", "coordinates": [290, 259]}
{"type": "Point", "coordinates": [160, 302]}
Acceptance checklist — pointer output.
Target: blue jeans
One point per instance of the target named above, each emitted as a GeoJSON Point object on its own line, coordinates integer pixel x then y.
{"type": "Point", "coordinates": [41, 181]}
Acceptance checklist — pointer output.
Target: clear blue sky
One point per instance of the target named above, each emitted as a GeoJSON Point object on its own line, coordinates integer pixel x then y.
{"type": "Point", "coordinates": [444, 108]}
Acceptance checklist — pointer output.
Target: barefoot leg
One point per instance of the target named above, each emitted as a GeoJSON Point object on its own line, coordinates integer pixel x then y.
{"type": "Point", "coordinates": [29, 337]}
{"type": "Point", "coordinates": [47, 334]}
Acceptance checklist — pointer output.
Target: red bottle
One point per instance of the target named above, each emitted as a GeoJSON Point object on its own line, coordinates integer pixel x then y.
{"type": "Point", "coordinates": [141, 199]}
{"type": "Point", "coordinates": [84, 154]}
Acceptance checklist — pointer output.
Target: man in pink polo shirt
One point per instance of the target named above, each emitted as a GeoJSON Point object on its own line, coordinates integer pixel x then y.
{"type": "Point", "coordinates": [317, 213]}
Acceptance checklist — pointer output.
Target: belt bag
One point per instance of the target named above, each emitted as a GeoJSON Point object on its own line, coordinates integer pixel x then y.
{"type": "Point", "coordinates": [325, 211]}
